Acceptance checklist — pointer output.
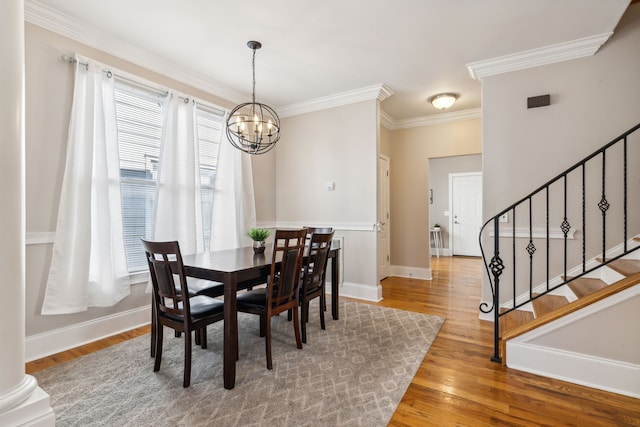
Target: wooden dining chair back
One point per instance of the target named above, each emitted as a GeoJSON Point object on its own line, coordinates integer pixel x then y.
{"type": "Point", "coordinates": [310, 231]}
{"type": "Point", "coordinates": [313, 277]}
{"type": "Point", "coordinates": [174, 306]}
{"type": "Point", "coordinates": [281, 292]}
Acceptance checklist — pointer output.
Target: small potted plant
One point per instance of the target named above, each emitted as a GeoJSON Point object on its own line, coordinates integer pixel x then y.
{"type": "Point", "coordinates": [259, 235]}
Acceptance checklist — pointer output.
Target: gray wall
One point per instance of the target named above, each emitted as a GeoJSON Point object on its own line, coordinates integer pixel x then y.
{"type": "Point", "coordinates": [439, 170]}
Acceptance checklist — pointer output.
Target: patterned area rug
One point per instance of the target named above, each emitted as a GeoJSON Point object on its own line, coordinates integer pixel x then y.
{"type": "Point", "coordinates": [352, 374]}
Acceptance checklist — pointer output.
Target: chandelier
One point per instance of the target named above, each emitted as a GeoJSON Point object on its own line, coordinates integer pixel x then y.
{"type": "Point", "coordinates": [253, 127]}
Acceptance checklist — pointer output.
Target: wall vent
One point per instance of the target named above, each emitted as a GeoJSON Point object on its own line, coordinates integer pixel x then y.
{"type": "Point", "coordinates": [538, 101]}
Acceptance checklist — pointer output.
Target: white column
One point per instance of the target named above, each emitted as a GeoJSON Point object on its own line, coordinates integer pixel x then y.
{"type": "Point", "coordinates": [22, 402]}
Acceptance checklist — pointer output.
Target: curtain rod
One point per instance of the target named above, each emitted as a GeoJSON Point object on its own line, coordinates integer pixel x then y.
{"type": "Point", "coordinates": [134, 82]}
{"type": "Point", "coordinates": [211, 108]}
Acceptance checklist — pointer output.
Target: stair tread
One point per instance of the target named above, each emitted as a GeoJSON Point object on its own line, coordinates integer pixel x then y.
{"type": "Point", "coordinates": [584, 286]}
{"type": "Point", "coordinates": [548, 303]}
{"type": "Point", "coordinates": [514, 318]}
{"type": "Point", "coordinates": [626, 267]}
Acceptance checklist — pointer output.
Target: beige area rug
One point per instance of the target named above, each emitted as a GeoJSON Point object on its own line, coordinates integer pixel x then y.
{"type": "Point", "coordinates": [352, 374]}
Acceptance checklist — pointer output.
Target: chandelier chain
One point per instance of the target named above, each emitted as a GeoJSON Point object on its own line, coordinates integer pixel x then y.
{"type": "Point", "coordinates": [253, 66]}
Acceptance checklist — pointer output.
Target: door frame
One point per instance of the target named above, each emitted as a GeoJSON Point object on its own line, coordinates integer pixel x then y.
{"type": "Point", "coordinates": [383, 270]}
{"type": "Point", "coordinates": [451, 177]}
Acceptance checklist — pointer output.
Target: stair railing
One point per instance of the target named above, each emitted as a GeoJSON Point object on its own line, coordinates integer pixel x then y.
{"type": "Point", "coordinates": [592, 178]}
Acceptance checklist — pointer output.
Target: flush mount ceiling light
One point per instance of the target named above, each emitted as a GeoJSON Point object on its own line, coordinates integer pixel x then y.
{"type": "Point", "coordinates": [443, 100]}
{"type": "Point", "coordinates": [253, 127]}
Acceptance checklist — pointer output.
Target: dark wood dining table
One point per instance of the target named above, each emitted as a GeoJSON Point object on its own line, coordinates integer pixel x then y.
{"type": "Point", "coordinates": [240, 269]}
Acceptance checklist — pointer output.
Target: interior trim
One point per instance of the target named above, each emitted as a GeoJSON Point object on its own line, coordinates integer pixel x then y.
{"type": "Point", "coordinates": [40, 237]}
{"type": "Point", "coordinates": [378, 92]}
{"type": "Point", "coordinates": [58, 340]}
{"type": "Point", "coordinates": [574, 49]}
{"type": "Point", "coordinates": [456, 116]}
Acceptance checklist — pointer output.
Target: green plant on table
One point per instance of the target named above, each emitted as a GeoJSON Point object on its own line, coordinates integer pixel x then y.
{"type": "Point", "coordinates": [259, 234]}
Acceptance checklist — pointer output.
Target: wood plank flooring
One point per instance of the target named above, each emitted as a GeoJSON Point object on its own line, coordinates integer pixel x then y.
{"type": "Point", "coordinates": [457, 384]}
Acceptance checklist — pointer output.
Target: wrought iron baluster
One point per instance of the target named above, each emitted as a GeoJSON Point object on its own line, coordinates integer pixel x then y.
{"type": "Point", "coordinates": [531, 248]}
{"type": "Point", "coordinates": [547, 236]}
{"type": "Point", "coordinates": [604, 206]}
{"type": "Point", "coordinates": [513, 254]}
{"type": "Point", "coordinates": [565, 227]}
{"type": "Point", "coordinates": [624, 177]}
{"type": "Point", "coordinates": [584, 222]}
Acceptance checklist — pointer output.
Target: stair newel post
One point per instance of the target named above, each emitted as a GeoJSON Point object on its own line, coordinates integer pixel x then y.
{"type": "Point", "coordinates": [496, 266]}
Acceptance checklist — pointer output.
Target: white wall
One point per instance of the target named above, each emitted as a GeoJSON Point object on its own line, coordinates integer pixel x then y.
{"type": "Point", "coordinates": [337, 145]}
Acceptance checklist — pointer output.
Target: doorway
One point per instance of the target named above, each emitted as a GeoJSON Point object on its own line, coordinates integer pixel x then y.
{"type": "Point", "coordinates": [439, 193]}
{"type": "Point", "coordinates": [465, 205]}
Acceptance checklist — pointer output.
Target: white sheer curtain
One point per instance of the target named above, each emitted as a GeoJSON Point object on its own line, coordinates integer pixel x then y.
{"type": "Point", "coordinates": [234, 208]}
{"type": "Point", "coordinates": [88, 266]}
{"type": "Point", "coordinates": [178, 213]}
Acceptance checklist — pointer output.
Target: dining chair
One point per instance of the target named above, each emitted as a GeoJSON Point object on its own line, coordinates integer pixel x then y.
{"type": "Point", "coordinates": [173, 304]}
{"type": "Point", "coordinates": [313, 277]}
{"type": "Point", "coordinates": [281, 292]}
{"type": "Point", "coordinates": [195, 286]}
{"type": "Point", "coordinates": [310, 231]}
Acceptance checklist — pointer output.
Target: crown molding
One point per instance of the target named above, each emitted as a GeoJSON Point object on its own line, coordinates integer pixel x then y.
{"type": "Point", "coordinates": [574, 49]}
{"type": "Point", "coordinates": [386, 120]}
{"type": "Point", "coordinates": [378, 92]}
{"type": "Point", "coordinates": [50, 19]}
{"type": "Point", "coordinates": [457, 116]}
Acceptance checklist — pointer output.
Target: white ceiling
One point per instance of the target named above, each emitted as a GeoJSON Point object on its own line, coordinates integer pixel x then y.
{"type": "Point", "coordinates": [318, 49]}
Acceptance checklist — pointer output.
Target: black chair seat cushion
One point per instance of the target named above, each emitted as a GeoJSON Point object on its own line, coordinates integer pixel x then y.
{"type": "Point", "coordinates": [201, 306]}
{"type": "Point", "coordinates": [205, 287]}
{"type": "Point", "coordinates": [256, 297]}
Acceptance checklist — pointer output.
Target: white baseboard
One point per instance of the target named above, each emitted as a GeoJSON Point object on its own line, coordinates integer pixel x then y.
{"type": "Point", "coordinates": [443, 252]}
{"type": "Point", "coordinates": [617, 376]}
{"type": "Point", "coordinates": [52, 342]}
{"type": "Point", "coordinates": [410, 272]}
{"type": "Point", "coordinates": [360, 291]}
{"type": "Point", "coordinates": [595, 372]}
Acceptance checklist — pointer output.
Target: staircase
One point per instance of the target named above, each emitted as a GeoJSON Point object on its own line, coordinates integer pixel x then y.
{"type": "Point", "coordinates": [542, 267]}
{"type": "Point", "coordinates": [580, 293]}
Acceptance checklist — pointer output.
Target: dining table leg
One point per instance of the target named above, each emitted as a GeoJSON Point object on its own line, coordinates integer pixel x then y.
{"type": "Point", "coordinates": [230, 331]}
{"type": "Point", "coordinates": [335, 268]}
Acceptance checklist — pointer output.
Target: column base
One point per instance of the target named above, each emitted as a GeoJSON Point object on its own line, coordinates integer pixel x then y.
{"type": "Point", "coordinates": [34, 411]}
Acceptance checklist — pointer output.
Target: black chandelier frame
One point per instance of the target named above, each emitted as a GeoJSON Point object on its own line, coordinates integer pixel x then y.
{"type": "Point", "coordinates": [253, 127]}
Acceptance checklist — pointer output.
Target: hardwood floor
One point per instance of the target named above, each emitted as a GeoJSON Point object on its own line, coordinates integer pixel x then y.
{"type": "Point", "coordinates": [457, 384]}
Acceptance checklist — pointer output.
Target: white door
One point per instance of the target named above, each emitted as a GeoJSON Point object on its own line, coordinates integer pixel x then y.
{"type": "Point", "coordinates": [383, 217]}
{"type": "Point", "coordinates": [466, 213]}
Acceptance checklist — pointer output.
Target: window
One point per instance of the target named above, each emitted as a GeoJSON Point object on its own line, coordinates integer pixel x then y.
{"type": "Point", "coordinates": [139, 123]}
